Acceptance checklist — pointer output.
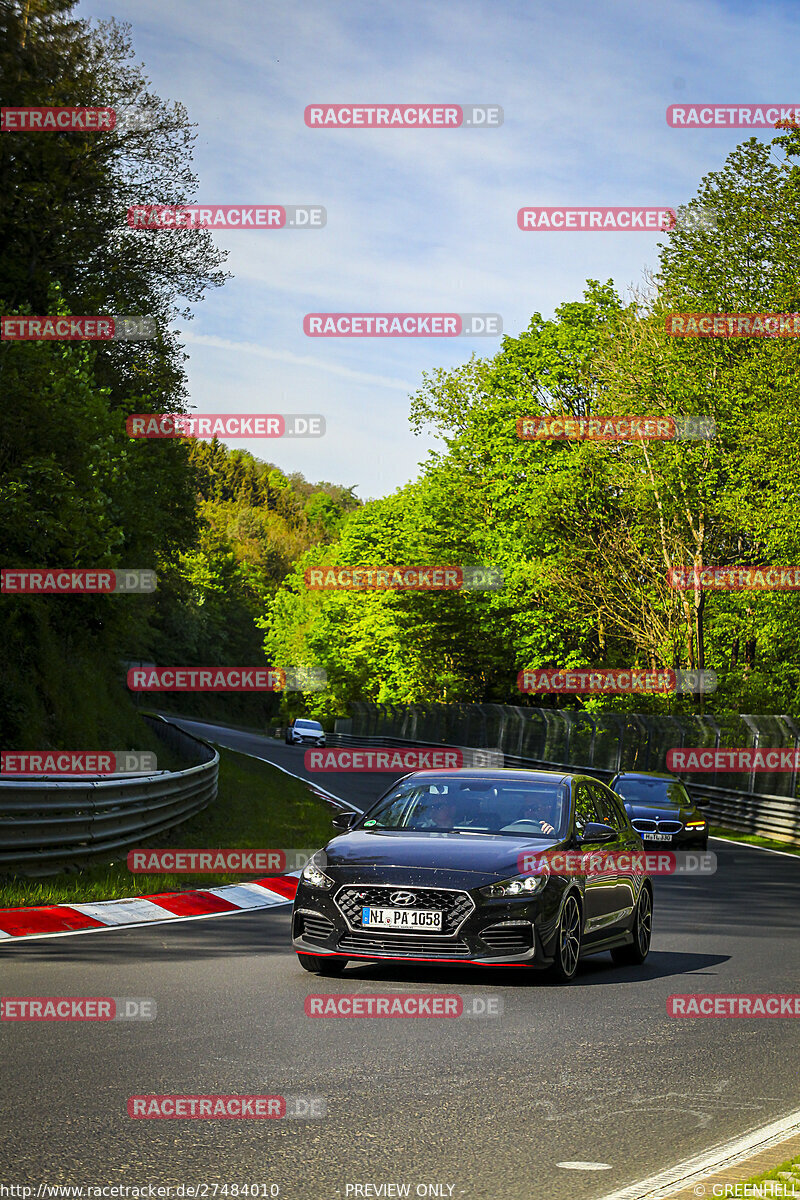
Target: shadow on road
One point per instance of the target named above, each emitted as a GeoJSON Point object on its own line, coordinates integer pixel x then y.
{"type": "Point", "coordinates": [591, 971]}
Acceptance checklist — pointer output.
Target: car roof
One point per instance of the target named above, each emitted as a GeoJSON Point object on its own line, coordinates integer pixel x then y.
{"type": "Point", "coordinates": [647, 775]}
{"type": "Point", "coordinates": [506, 774]}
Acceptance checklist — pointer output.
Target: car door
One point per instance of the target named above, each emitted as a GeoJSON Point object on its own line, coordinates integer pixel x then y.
{"type": "Point", "coordinates": [625, 883]}
{"type": "Point", "coordinates": [599, 890]}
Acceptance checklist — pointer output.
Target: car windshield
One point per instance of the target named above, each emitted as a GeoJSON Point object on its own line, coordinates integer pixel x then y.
{"type": "Point", "coordinates": [315, 725]}
{"type": "Point", "coordinates": [517, 808]}
{"type": "Point", "coordinates": [653, 791]}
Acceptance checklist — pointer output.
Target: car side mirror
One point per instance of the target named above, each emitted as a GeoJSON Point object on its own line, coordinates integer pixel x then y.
{"type": "Point", "coordinates": [596, 833]}
{"type": "Point", "coordinates": [700, 801]}
{"type": "Point", "coordinates": [343, 820]}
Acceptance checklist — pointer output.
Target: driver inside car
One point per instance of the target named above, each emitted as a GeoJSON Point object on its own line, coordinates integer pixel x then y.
{"type": "Point", "coordinates": [533, 812]}
{"type": "Point", "coordinates": [441, 814]}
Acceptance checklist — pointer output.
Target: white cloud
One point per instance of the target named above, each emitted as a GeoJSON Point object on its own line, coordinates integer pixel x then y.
{"type": "Point", "coordinates": [425, 220]}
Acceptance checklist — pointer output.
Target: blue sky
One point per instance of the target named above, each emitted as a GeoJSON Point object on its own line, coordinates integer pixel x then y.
{"type": "Point", "coordinates": [425, 220]}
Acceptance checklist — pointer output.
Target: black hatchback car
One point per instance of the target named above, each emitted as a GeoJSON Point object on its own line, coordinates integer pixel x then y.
{"type": "Point", "coordinates": [437, 870]}
{"type": "Point", "coordinates": [662, 811]}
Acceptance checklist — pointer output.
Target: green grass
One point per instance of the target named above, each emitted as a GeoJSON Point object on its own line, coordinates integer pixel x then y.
{"type": "Point", "coordinates": [791, 1185]}
{"type": "Point", "coordinates": [752, 839]}
{"type": "Point", "coordinates": [258, 807]}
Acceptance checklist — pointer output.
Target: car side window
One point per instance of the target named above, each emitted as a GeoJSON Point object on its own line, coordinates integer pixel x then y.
{"type": "Point", "coordinates": [619, 807]}
{"type": "Point", "coordinates": [609, 810]}
{"type": "Point", "coordinates": [585, 808]}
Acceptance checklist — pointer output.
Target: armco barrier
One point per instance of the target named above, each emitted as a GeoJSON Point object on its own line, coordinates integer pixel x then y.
{"type": "Point", "coordinates": [601, 744]}
{"type": "Point", "coordinates": [47, 824]}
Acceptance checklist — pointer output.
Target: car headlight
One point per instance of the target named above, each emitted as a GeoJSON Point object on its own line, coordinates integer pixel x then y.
{"type": "Point", "coordinates": [312, 875]}
{"type": "Point", "coordinates": [520, 885]}
{"type": "Point", "coordinates": [696, 824]}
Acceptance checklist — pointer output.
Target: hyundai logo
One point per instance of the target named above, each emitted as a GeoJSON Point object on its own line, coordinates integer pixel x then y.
{"type": "Point", "coordinates": [402, 897]}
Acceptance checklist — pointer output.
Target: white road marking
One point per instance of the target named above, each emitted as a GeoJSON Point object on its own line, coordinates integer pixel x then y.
{"type": "Point", "coordinates": [720, 1158]}
{"type": "Point", "coordinates": [750, 846]}
{"type": "Point", "coordinates": [584, 1166]}
{"type": "Point", "coordinates": [247, 895]}
{"type": "Point", "coordinates": [136, 912]}
{"type": "Point", "coordinates": [259, 758]}
{"type": "Point", "coordinates": [124, 912]}
{"type": "Point", "coordinates": [14, 939]}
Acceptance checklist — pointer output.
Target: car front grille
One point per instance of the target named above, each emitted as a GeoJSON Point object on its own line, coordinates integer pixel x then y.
{"type": "Point", "coordinates": [454, 905]}
{"type": "Point", "coordinates": [315, 927]}
{"type": "Point", "coordinates": [508, 938]}
{"type": "Point", "coordinates": [400, 946]}
{"type": "Point", "coordinates": [644, 825]}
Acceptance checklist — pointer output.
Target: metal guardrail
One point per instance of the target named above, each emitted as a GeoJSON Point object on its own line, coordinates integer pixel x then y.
{"type": "Point", "coordinates": [600, 744]}
{"type": "Point", "coordinates": [47, 824]}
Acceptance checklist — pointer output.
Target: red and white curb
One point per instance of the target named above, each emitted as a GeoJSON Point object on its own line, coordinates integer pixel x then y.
{"type": "Point", "coordinates": [58, 920]}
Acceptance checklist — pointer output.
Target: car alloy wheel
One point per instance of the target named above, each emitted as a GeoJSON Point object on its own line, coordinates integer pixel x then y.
{"type": "Point", "coordinates": [634, 955]}
{"type": "Point", "coordinates": [644, 923]}
{"type": "Point", "coordinates": [568, 942]}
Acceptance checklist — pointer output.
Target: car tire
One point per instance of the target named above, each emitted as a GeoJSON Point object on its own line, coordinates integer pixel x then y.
{"type": "Point", "coordinates": [568, 942]}
{"type": "Point", "coordinates": [634, 955]}
{"type": "Point", "coordinates": [320, 964]}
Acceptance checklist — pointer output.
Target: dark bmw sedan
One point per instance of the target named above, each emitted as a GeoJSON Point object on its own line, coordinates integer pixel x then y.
{"type": "Point", "coordinates": [439, 870]}
{"type": "Point", "coordinates": [662, 811]}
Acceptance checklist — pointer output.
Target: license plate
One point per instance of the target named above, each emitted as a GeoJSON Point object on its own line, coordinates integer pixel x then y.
{"type": "Point", "coordinates": [657, 837]}
{"type": "Point", "coordinates": [401, 918]}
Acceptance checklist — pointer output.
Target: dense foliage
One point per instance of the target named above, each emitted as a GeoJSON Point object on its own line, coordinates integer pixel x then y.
{"type": "Point", "coordinates": [75, 490]}
{"type": "Point", "coordinates": [584, 531]}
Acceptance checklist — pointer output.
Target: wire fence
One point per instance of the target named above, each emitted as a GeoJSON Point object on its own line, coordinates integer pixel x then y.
{"type": "Point", "coordinates": [761, 802]}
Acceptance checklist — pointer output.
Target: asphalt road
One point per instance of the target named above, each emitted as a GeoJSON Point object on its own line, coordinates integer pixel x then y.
{"type": "Point", "coordinates": [595, 1072]}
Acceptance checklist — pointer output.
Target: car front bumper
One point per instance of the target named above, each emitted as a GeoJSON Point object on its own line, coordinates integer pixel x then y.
{"type": "Point", "coordinates": [495, 933]}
